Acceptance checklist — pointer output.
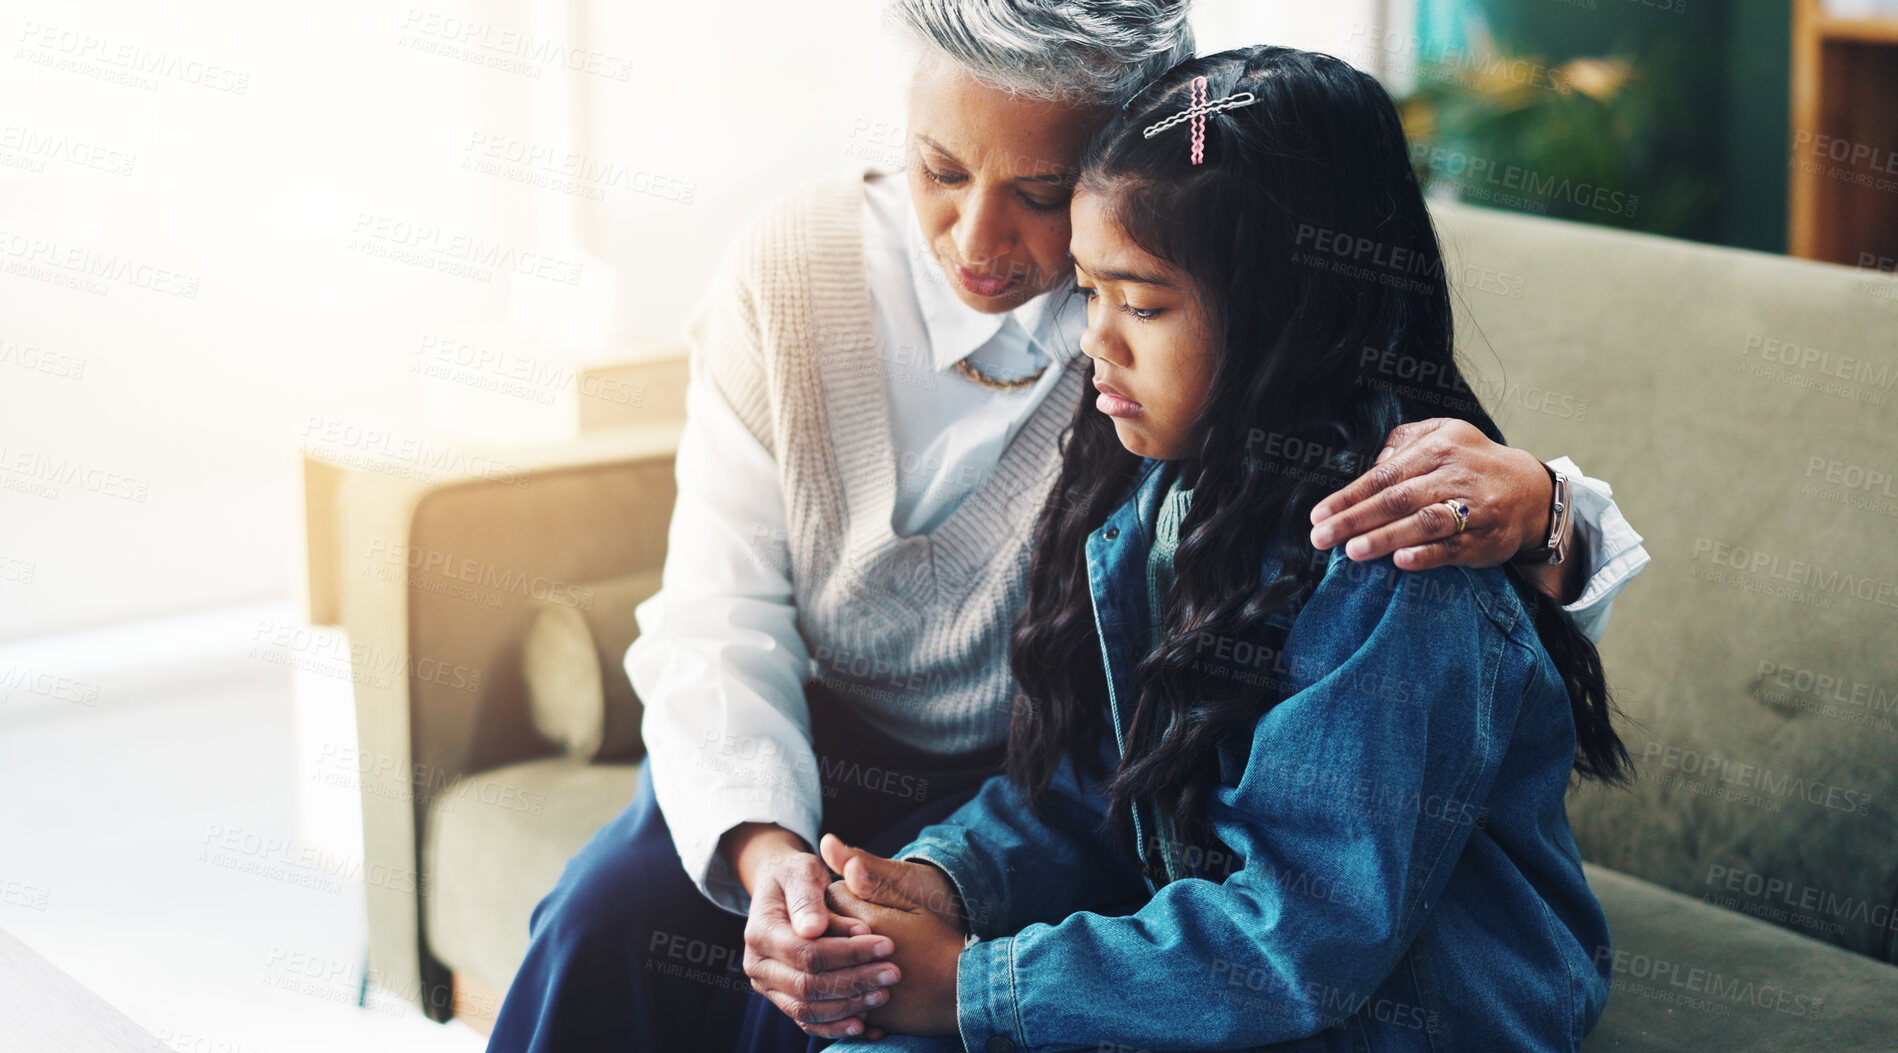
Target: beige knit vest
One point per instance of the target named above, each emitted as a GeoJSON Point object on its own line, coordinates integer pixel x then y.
{"type": "Point", "coordinates": [912, 632]}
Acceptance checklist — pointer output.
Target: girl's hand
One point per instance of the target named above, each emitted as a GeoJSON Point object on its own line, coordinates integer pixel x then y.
{"type": "Point", "coordinates": [886, 881]}
{"type": "Point", "coordinates": [928, 948]}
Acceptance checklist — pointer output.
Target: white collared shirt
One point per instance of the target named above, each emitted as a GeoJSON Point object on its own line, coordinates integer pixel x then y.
{"type": "Point", "coordinates": [950, 431]}
{"type": "Point", "coordinates": [719, 661]}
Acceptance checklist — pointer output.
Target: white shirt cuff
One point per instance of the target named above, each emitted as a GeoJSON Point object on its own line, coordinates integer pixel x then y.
{"type": "Point", "coordinates": [1604, 537]}
{"type": "Point", "coordinates": [698, 847]}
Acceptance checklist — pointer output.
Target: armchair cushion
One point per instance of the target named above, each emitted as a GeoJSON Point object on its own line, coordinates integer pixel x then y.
{"type": "Point", "coordinates": [573, 659]}
{"type": "Point", "coordinates": [496, 843]}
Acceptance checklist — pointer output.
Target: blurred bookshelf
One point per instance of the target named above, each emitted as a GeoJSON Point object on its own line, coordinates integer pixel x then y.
{"type": "Point", "coordinates": [1844, 160]}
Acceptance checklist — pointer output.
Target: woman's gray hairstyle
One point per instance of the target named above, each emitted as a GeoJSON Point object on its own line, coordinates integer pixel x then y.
{"type": "Point", "coordinates": [1075, 51]}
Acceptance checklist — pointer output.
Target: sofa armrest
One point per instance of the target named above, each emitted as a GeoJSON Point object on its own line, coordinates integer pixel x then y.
{"type": "Point", "coordinates": [435, 581]}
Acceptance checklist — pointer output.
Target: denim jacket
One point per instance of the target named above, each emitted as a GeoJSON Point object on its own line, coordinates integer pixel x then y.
{"type": "Point", "coordinates": [1401, 873]}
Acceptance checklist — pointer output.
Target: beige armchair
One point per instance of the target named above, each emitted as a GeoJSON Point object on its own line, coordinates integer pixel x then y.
{"type": "Point", "coordinates": [435, 581]}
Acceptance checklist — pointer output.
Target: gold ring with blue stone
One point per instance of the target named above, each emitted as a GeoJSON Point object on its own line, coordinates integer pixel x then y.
{"type": "Point", "coordinates": [1461, 510]}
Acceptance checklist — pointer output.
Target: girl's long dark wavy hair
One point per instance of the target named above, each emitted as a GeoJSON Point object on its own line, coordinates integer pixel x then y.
{"type": "Point", "coordinates": [1306, 235]}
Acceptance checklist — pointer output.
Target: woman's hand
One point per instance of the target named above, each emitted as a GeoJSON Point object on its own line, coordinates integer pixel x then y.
{"type": "Point", "coordinates": [927, 951]}
{"type": "Point", "coordinates": [880, 880]}
{"type": "Point", "coordinates": [1397, 506]}
{"type": "Point", "coordinates": [826, 983]}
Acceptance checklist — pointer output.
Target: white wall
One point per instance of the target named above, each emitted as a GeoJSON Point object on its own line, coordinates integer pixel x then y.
{"type": "Point", "coordinates": [237, 190]}
{"type": "Point", "coordinates": [773, 101]}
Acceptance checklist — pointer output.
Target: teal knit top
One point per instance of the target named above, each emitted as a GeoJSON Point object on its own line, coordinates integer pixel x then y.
{"type": "Point", "coordinates": [1166, 541]}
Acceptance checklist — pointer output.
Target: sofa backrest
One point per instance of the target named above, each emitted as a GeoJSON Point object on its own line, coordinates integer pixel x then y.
{"type": "Point", "coordinates": [1742, 407]}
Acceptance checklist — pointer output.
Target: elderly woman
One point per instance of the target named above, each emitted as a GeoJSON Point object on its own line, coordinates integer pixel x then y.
{"type": "Point", "coordinates": [881, 376]}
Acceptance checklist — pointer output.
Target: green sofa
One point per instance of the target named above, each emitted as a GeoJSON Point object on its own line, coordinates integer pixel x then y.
{"type": "Point", "coordinates": [1739, 403]}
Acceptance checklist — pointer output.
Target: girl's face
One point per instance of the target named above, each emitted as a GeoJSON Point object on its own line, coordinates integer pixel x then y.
{"type": "Point", "coordinates": [1147, 333]}
{"type": "Point", "coordinates": [991, 175]}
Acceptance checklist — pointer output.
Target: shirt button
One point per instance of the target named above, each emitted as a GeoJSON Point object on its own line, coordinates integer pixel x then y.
{"type": "Point", "coordinates": [1112, 533]}
{"type": "Point", "coordinates": [1001, 1044]}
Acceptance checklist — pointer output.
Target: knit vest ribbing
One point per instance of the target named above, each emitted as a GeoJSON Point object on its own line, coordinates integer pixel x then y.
{"type": "Point", "coordinates": [911, 632]}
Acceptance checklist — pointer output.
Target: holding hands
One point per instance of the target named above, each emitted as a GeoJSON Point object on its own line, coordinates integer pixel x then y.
{"type": "Point", "coordinates": [831, 954]}
{"type": "Point", "coordinates": [915, 905]}
{"type": "Point", "coordinates": [821, 970]}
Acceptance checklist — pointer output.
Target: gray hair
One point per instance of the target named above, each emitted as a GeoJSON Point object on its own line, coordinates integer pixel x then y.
{"type": "Point", "coordinates": [1075, 51]}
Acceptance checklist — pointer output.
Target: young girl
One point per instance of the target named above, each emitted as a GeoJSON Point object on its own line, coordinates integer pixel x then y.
{"type": "Point", "coordinates": [1257, 795]}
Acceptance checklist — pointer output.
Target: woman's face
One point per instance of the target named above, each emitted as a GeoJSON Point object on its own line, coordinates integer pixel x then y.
{"type": "Point", "coordinates": [991, 175]}
{"type": "Point", "coordinates": [1147, 333]}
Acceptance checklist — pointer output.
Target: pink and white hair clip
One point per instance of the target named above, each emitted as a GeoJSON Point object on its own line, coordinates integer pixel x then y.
{"type": "Point", "coordinates": [1199, 111]}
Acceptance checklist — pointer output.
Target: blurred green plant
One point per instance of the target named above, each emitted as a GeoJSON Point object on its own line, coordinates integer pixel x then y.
{"type": "Point", "coordinates": [1608, 139]}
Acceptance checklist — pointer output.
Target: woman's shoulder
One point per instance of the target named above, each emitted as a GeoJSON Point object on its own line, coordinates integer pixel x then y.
{"type": "Point", "coordinates": [802, 253]}
{"type": "Point", "coordinates": [813, 223]}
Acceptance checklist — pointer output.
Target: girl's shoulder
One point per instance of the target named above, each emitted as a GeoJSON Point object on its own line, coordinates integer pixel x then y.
{"type": "Point", "coordinates": [1355, 599]}
{"type": "Point", "coordinates": [1379, 634]}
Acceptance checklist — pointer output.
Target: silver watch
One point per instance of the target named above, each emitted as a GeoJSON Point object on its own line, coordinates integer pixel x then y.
{"type": "Point", "coordinates": [1555, 549]}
